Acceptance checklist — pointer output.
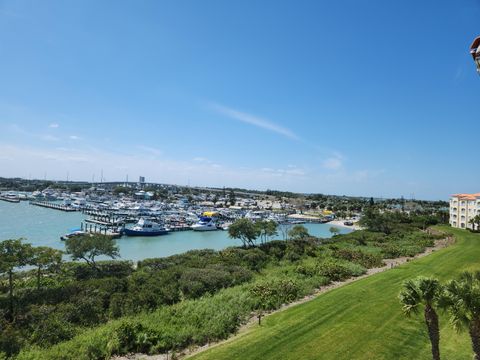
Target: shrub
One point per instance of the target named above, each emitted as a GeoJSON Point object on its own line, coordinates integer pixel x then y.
{"type": "Point", "coordinates": [337, 270]}
{"type": "Point", "coordinates": [367, 260]}
{"type": "Point", "coordinates": [271, 295]}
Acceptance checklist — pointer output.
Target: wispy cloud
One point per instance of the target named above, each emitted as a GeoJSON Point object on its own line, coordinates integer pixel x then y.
{"type": "Point", "coordinates": [253, 120]}
{"type": "Point", "coordinates": [74, 137]}
{"type": "Point", "coordinates": [48, 137]}
{"type": "Point", "coordinates": [54, 126]}
{"type": "Point", "coordinates": [150, 150]}
{"type": "Point", "coordinates": [334, 162]}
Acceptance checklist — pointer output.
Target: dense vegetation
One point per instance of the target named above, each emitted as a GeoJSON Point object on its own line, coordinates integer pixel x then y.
{"type": "Point", "coordinates": [86, 311]}
{"type": "Point", "coordinates": [362, 320]}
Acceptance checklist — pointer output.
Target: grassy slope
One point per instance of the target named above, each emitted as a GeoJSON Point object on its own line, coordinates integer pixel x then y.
{"type": "Point", "coordinates": [362, 320]}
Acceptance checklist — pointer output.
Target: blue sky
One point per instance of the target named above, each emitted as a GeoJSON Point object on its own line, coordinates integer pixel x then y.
{"type": "Point", "coordinates": [373, 98]}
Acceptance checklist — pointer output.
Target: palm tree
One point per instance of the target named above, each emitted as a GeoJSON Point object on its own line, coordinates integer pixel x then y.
{"type": "Point", "coordinates": [475, 221]}
{"type": "Point", "coordinates": [424, 292]}
{"type": "Point", "coordinates": [462, 299]}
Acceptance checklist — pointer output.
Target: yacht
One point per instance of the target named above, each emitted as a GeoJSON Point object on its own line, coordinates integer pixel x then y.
{"type": "Point", "coordinates": [146, 227]}
{"type": "Point", "coordinates": [204, 224]}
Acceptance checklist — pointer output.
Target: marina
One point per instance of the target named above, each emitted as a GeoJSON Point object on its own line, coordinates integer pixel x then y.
{"type": "Point", "coordinates": [43, 226]}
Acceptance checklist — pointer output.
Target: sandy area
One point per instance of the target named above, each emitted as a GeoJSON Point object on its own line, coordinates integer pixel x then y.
{"type": "Point", "coordinates": [388, 264]}
{"type": "Point", "coordinates": [355, 225]}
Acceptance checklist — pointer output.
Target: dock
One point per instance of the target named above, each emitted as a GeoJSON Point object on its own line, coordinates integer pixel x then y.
{"type": "Point", "coordinates": [179, 228]}
{"type": "Point", "coordinates": [101, 230]}
{"type": "Point", "coordinates": [51, 205]}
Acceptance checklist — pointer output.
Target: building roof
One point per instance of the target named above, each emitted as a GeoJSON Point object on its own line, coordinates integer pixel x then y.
{"type": "Point", "coordinates": [467, 196]}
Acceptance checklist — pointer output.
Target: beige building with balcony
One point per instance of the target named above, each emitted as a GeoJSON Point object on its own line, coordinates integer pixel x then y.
{"type": "Point", "coordinates": [463, 208]}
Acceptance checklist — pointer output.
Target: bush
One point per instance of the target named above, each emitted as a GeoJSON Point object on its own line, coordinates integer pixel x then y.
{"type": "Point", "coordinates": [82, 271]}
{"type": "Point", "coordinates": [271, 295]}
{"type": "Point", "coordinates": [337, 270]}
{"type": "Point", "coordinates": [48, 327]}
{"type": "Point", "coordinates": [367, 260]}
{"type": "Point", "coordinates": [11, 340]}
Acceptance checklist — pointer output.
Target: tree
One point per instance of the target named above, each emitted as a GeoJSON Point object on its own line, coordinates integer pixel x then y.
{"type": "Point", "coordinates": [13, 254]}
{"type": "Point", "coordinates": [43, 258]}
{"type": "Point", "coordinates": [231, 197]}
{"type": "Point", "coordinates": [245, 230]}
{"type": "Point", "coordinates": [426, 293]}
{"type": "Point", "coordinates": [462, 300]}
{"type": "Point", "coordinates": [285, 229]}
{"type": "Point", "coordinates": [334, 230]}
{"type": "Point", "coordinates": [475, 221]}
{"type": "Point", "coordinates": [88, 247]}
{"type": "Point", "coordinates": [298, 232]}
{"type": "Point", "coordinates": [266, 228]}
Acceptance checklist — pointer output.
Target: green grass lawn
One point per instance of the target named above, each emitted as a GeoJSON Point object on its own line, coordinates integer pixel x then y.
{"type": "Point", "coordinates": [362, 320]}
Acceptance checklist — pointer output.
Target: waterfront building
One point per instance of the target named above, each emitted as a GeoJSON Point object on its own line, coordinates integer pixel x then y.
{"type": "Point", "coordinates": [463, 208]}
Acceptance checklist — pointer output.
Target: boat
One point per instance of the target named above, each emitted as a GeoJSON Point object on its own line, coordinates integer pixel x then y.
{"type": "Point", "coordinates": [10, 197]}
{"type": "Point", "coordinates": [204, 224]}
{"type": "Point", "coordinates": [225, 226]}
{"type": "Point", "coordinates": [146, 227]}
{"type": "Point", "coordinates": [72, 232]}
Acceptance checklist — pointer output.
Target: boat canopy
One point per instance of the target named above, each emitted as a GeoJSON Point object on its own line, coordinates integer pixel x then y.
{"type": "Point", "coordinates": [210, 213]}
{"type": "Point", "coordinates": [205, 218]}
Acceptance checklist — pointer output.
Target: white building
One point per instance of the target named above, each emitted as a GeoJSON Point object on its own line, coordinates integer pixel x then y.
{"type": "Point", "coordinates": [463, 208]}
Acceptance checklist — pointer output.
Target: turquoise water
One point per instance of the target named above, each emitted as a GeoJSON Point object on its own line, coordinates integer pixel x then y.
{"type": "Point", "coordinates": [42, 226]}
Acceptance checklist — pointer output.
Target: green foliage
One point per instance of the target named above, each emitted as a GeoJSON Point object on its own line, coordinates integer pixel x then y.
{"type": "Point", "coordinates": [13, 254]}
{"type": "Point", "coordinates": [232, 197]}
{"type": "Point", "coordinates": [419, 292]}
{"type": "Point", "coordinates": [271, 295]}
{"type": "Point", "coordinates": [337, 270]}
{"type": "Point", "coordinates": [47, 326]}
{"type": "Point", "coordinates": [266, 229]}
{"type": "Point", "coordinates": [122, 190]}
{"type": "Point", "coordinates": [365, 259]}
{"type": "Point", "coordinates": [88, 247]}
{"type": "Point", "coordinates": [45, 258]}
{"type": "Point", "coordinates": [245, 230]}
{"type": "Point", "coordinates": [82, 271]}
{"type": "Point", "coordinates": [334, 230]}
{"type": "Point", "coordinates": [181, 295]}
{"type": "Point", "coordinates": [11, 340]}
{"type": "Point", "coordinates": [298, 232]}
{"type": "Point", "coordinates": [462, 299]}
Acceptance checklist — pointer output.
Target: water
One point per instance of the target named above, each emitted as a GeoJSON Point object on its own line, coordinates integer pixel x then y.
{"type": "Point", "coordinates": [43, 227]}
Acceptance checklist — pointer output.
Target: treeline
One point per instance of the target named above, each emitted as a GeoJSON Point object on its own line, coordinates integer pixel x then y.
{"type": "Point", "coordinates": [168, 304]}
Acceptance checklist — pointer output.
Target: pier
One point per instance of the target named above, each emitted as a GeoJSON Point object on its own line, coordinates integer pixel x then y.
{"type": "Point", "coordinates": [51, 205]}
{"type": "Point", "coordinates": [101, 230]}
{"type": "Point", "coordinates": [179, 228]}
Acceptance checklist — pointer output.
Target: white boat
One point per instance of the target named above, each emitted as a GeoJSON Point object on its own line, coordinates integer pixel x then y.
{"type": "Point", "coordinates": [205, 224]}
{"type": "Point", "coordinates": [146, 227]}
{"type": "Point", "coordinates": [73, 232]}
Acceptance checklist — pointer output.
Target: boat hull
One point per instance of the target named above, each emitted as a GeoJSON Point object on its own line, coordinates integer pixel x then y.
{"type": "Point", "coordinates": [130, 232]}
{"type": "Point", "coordinates": [204, 228]}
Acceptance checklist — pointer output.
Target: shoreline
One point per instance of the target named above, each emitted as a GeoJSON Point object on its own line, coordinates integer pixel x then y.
{"type": "Point", "coordinates": [340, 223]}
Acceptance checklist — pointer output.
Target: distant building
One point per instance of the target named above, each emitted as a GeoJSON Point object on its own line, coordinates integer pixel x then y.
{"type": "Point", "coordinates": [463, 208]}
{"type": "Point", "coordinates": [141, 180]}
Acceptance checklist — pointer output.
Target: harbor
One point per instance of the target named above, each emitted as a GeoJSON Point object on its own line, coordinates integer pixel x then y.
{"type": "Point", "coordinates": [43, 226]}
